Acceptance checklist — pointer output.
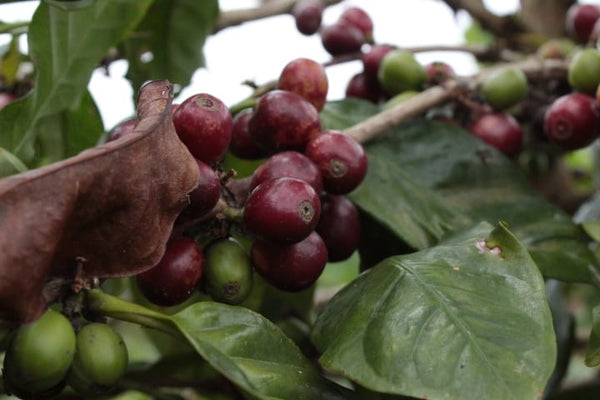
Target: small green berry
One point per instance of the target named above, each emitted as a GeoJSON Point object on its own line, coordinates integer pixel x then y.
{"type": "Point", "coordinates": [400, 71]}
{"type": "Point", "coordinates": [228, 275]}
{"type": "Point", "coordinates": [584, 71]}
{"type": "Point", "coordinates": [504, 87]}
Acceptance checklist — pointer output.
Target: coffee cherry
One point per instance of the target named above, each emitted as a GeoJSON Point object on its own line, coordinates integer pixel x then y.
{"type": "Point", "coordinates": [400, 71]}
{"type": "Point", "coordinates": [228, 275]}
{"type": "Point", "coordinates": [242, 145]}
{"type": "Point", "coordinates": [341, 38]}
{"type": "Point", "coordinates": [308, 15]}
{"type": "Point", "coordinates": [290, 164]}
{"type": "Point", "coordinates": [339, 226]}
{"type": "Point", "coordinates": [557, 48]}
{"type": "Point", "coordinates": [504, 88]}
{"type": "Point", "coordinates": [341, 160]}
{"type": "Point", "coordinates": [362, 86]}
{"type": "Point", "coordinates": [438, 72]}
{"type": "Point", "coordinates": [39, 356]}
{"type": "Point", "coordinates": [122, 129]}
{"type": "Point", "coordinates": [177, 274]}
{"type": "Point", "coordinates": [6, 98]}
{"type": "Point", "coordinates": [206, 194]}
{"type": "Point", "coordinates": [282, 210]}
{"type": "Point", "coordinates": [290, 267]}
{"type": "Point", "coordinates": [204, 124]}
{"type": "Point", "coordinates": [584, 71]}
{"type": "Point", "coordinates": [499, 130]}
{"type": "Point", "coordinates": [306, 78]}
{"type": "Point", "coordinates": [283, 120]}
{"type": "Point", "coordinates": [580, 20]}
{"type": "Point", "coordinates": [371, 59]}
{"type": "Point", "coordinates": [359, 18]}
{"type": "Point", "coordinates": [573, 121]}
{"type": "Point", "coordinates": [100, 360]}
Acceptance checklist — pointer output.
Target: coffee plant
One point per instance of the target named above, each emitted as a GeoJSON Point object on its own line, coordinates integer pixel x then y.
{"type": "Point", "coordinates": [430, 235]}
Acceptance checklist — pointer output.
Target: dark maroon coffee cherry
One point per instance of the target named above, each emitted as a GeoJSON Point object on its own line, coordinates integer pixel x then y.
{"type": "Point", "coordinates": [242, 145]}
{"type": "Point", "coordinates": [122, 129]}
{"type": "Point", "coordinates": [283, 120]}
{"type": "Point", "coordinates": [499, 130]}
{"type": "Point", "coordinates": [308, 15]}
{"type": "Point", "coordinates": [580, 20]}
{"type": "Point", "coordinates": [177, 274]}
{"type": "Point", "coordinates": [438, 72]}
{"type": "Point", "coordinates": [291, 164]}
{"type": "Point", "coordinates": [341, 38]}
{"type": "Point", "coordinates": [339, 226]}
{"type": "Point", "coordinates": [363, 86]}
{"type": "Point", "coordinates": [206, 195]}
{"type": "Point", "coordinates": [204, 124]}
{"type": "Point", "coordinates": [573, 121]}
{"type": "Point", "coordinates": [306, 78]}
{"type": "Point", "coordinates": [290, 267]}
{"type": "Point", "coordinates": [371, 60]}
{"type": "Point", "coordinates": [283, 210]}
{"type": "Point", "coordinates": [359, 18]}
{"type": "Point", "coordinates": [341, 160]}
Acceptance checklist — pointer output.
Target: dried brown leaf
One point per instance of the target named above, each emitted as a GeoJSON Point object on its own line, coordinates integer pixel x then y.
{"type": "Point", "coordinates": [110, 210]}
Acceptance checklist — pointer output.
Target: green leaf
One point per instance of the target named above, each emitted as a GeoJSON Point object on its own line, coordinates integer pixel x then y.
{"type": "Point", "coordinates": [242, 345]}
{"type": "Point", "coordinates": [168, 43]}
{"type": "Point", "coordinates": [467, 319]}
{"type": "Point", "coordinates": [66, 46]}
{"type": "Point", "coordinates": [9, 164]}
{"type": "Point", "coordinates": [441, 178]}
{"type": "Point", "coordinates": [592, 355]}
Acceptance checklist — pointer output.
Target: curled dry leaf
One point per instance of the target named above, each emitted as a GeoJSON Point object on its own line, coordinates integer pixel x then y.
{"type": "Point", "coordinates": [110, 210]}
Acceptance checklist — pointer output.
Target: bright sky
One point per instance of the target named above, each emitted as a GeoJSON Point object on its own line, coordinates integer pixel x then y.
{"type": "Point", "coordinates": [252, 52]}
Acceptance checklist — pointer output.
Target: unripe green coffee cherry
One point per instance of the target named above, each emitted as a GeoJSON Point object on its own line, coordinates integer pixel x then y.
{"type": "Point", "coordinates": [100, 360]}
{"type": "Point", "coordinates": [228, 274]}
{"type": "Point", "coordinates": [400, 71]}
{"type": "Point", "coordinates": [504, 87]}
{"type": "Point", "coordinates": [584, 71]}
{"type": "Point", "coordinates": [39, 355]}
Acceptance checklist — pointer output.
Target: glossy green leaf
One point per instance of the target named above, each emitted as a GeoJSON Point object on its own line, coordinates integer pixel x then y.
{"type": "Point", "coordinates": [466, 319]}
{"type": "Point", "coordinates": [66, 46]}
{"type": "Point", "coordinates": [427, 178]}
{"type": "Point", "coordinates": [168, 43]}
{"type": "Point", "coordinates": [244, 346]}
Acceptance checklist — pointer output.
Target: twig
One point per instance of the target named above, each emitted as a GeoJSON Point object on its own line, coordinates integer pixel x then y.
{"type": "Point", "coordinates": [267, 9]}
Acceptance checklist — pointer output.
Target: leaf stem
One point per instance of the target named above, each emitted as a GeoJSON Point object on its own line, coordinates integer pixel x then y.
{"type": "Point", "coordinates": [107, 305]}
{"type": "Point", "coordinates": [14, 28]}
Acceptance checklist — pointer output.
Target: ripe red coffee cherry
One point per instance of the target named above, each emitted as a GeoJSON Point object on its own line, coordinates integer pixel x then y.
{"type": "Point", "coordinates": [341, 160]}
{"type": "Point", "coordinates": [308, 15]}
{"type": "Point", "coordinates": [290, 267]}
{"type": "Point", "coordinates": [122, 129]}
{"type": "Point", "coordinates": [573, 121]}
{"type": "Point", "coordinates": [362, 86]}
{"type": "Point", "coordinates": [359, 18]}
{"type": "Point", "coordinates": [500, 130]}
{"type": "Point", "coordinates": [6, 98]}
{"type": "Point", "coordinates": [437, 72]}
{"type": "Point", "coordinates": [177, 274]}
{"type": "Point", "coordinates": [282, 210]}
{"type": "Point", "coordinates": [283, 120]}
{"type": "Point", "coordinates": [242, 145]}
{"type": "Point", "coordinates": [204, 124]}
{"type": "Point", "coordinates": [306, 78]}
{"type": "Point", "coordinates": [580, 20]}
{"type": "Point", "coordinates": [371, 60]}
{"type": "Point", "coordinates": [341, 38]}
{"type": "Point", "coordinates": [339, 226]}
{"type": "Point", "coordinates": [290, 164]}
{"type": "Point", "coordinates": [206, 195]}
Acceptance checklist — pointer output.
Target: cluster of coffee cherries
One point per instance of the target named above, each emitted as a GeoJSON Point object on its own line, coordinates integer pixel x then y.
{"type": "Point", "coordinates": [46, 355]}
{"type": "Point", "coordinates": [293, 208]}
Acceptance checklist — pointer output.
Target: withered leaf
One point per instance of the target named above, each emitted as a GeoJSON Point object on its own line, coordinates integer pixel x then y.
{"type": "Point", "coordinates": [109, 209]}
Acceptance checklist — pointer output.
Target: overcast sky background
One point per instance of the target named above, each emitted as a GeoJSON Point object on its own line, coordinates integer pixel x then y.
{"type": "Point", "coordinates": [259, 50]}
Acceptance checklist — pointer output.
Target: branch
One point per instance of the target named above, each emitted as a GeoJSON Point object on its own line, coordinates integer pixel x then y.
{"type": "Point", "coordinates": [372, 127]}
{"type": "Point", "coordinates": [267, 9]}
